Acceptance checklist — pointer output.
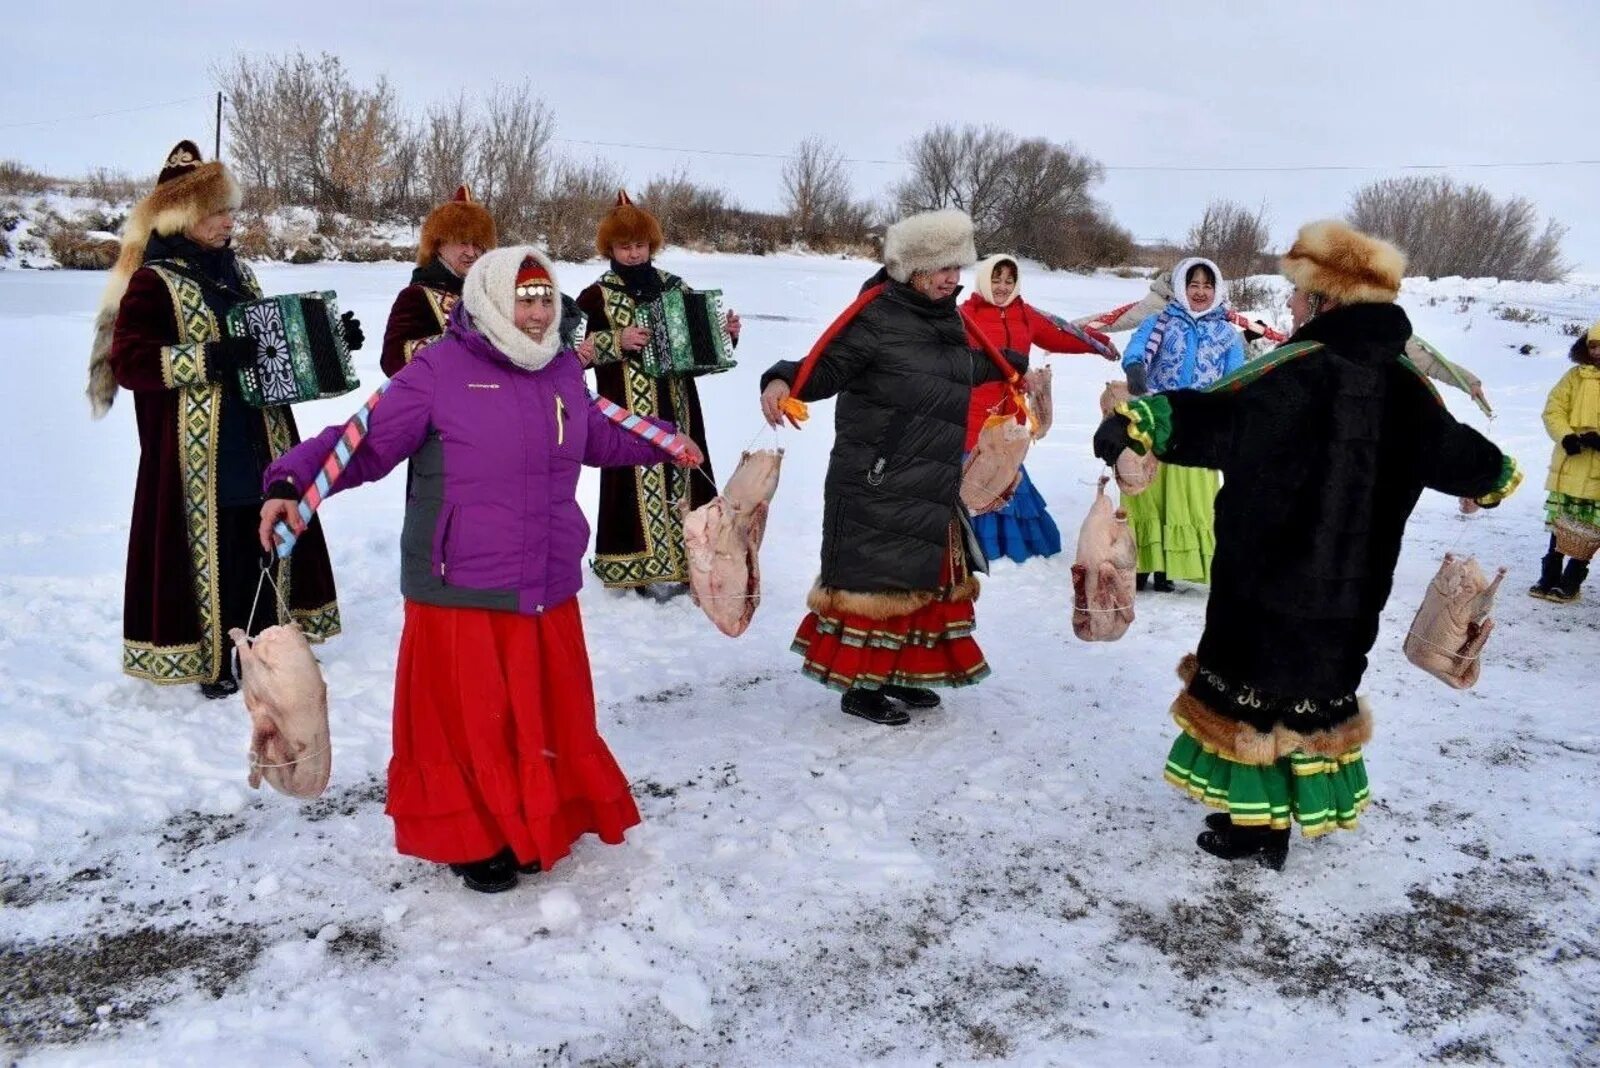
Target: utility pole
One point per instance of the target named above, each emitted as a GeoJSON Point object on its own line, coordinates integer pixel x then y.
{"type": "Point", "coordinates": [217, 150]}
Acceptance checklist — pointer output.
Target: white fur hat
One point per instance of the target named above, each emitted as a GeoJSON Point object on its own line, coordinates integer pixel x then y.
{"type": "Point", "coordinates": [927, 242]}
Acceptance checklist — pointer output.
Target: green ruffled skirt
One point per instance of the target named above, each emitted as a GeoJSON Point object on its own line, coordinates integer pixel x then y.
{"type": "Point", "coordinates": [1319, 793]}
{"type": "Point", "coordinates": [1173, 522]}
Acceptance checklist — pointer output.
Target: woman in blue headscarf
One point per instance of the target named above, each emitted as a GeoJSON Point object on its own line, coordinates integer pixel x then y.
{"type": "Point", "coordinates": [1188, 345]}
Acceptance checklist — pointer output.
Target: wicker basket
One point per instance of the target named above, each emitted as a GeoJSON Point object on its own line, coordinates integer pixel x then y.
{"type": "Point", "coordinates": [1577, 540]}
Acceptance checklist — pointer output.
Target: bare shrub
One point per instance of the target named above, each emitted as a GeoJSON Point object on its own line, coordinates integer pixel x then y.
{"type": "Point", "coordinates": [1512, 314]}
{"type": "Point", "coordinates": [115, 187]}
{"type": "Point", "coordinates": [16, 177]}
{"type": "Point", "coordinates": [1447, 228]}
{"type": "Point", "coordinates": [690, 214]}
{"type": "Point", "coordinates": [577, 195]}
{"type": "Point", "coordinates": [76, 250]}
{"type": "Point", "coordinates": [1233, 237]}
{"type": "Point", "coordinates": [301, 131]}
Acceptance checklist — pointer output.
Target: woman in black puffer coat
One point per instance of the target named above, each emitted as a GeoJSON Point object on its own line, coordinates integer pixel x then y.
{"type": "Point", "coordinates": [892, 614]}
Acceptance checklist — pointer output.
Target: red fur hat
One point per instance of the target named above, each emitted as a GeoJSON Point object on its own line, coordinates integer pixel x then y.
{"type": "Point", "coordinates": [627, 222]}
{"type": "Point", "coordinates": [458, 219]}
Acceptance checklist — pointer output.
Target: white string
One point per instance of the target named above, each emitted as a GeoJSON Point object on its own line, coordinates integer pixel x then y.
{"type": "Point", "coordinates": [1456, 654]}
{"type": "Point", "coordinates": [257, 765]}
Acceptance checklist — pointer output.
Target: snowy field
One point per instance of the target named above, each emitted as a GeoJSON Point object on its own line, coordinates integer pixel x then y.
{"type": "Point", "coordinates": [1006, 879]}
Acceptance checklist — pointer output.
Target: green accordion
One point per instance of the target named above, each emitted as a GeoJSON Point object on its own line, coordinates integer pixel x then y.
{"type": "Point", "coordinates": [688, 334]}
{"type": "Point", "coordinates": [300, 350]}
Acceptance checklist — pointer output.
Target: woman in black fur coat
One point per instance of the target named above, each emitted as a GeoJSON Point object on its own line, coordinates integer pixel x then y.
{"type": "Point", "coordinates": [1325, 446]}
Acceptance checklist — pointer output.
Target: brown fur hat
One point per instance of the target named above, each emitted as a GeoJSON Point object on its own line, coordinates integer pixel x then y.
{"type": "Point", "coordinates": [187, 190]}
{"type": "Point", "coordinates": [458, 219]}
{"type": "Point", "coordinates": [1345, 264]}
{"type": "Point", "coordinates": [627, 222]}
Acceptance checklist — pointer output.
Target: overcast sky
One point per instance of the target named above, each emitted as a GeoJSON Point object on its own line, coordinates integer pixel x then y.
{"type": "Point", "coordinates": [1135, 83]}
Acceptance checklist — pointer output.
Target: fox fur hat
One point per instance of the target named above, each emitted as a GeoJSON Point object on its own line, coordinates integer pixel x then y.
{"type": "Point", "coordinates": [625, 223]}
{"type": "Point", "coordinates": [187, 190]}
{"type": "Point", "coordinates": [458, 219]}
{"type": "Point", "coordinates": [928, 242]}
{"type": "Point", "coordinates": [1345, 264]}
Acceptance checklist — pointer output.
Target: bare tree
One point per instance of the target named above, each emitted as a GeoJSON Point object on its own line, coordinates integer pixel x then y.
{"type": "Point", "coordinates": [815, 188]}
{"type": "Point", "coordinates": [1026, 196]}
{"type": "Point", "coordinates": [1450, 229]}
{"type": "Point", "coordinates": [1235, 239]}
{"type": "Point", "coordinates": [449, 135]}
{"type": "Point", "coordinates": [513, 149]}
{"type": "Point", "coordinates": [961, 168]}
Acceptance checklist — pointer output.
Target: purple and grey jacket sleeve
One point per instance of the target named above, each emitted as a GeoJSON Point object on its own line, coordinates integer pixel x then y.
{"type": "Point", "coordinates": [609, 445]}
{"type": "Point", "coordinates": [396, 429]}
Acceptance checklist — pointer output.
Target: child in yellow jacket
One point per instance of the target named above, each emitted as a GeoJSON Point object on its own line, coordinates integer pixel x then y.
{"type": "Point", "coordinates": [1572, 418]}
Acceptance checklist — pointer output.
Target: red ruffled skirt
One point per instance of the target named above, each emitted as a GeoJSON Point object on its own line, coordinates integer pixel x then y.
{"type": "Point", "coordinates": [932, 646]}
{"type": "Point", "coordinates": [495, 743]}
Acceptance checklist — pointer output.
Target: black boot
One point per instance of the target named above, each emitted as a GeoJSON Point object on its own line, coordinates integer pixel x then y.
{"type": "Point", "coordinates": [1220, 821]}
{"type": "Point", "coordinates": [492, 876]}
{"type": "Point", "coordinates": [911, 696]}
{"type": "Point", "coordinates": [510, 858]}
{"type": "Point", "coordinates": [1141, 580]}
{"type": "Point", "coordinates": [1549, 576]}
{"type": "Point", "coordinates": [226, 686]}
{"type": "Point", "coordinates": [873, 707]}
{"type": "Point", "coordinates": [1267, 847]}
{"type": "Point", "coordinates": [1160, 583]}
{"type": "Point", "coordinates": [1576, 571]}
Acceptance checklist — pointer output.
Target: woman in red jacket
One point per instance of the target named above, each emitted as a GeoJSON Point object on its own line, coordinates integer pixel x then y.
{"type": "Point", "coordinates": [1023, 528]}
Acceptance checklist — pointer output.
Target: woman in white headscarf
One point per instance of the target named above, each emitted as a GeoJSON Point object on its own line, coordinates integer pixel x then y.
{"type": "Point", "coordinates": [1190, 344]}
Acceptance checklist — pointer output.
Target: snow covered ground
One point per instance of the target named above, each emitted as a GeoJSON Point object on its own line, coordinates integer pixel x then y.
{"type": "Point", "coordinates": [1005, 879]}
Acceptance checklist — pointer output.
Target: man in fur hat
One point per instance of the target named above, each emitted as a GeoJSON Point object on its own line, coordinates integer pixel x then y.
{"type": "Point", "coordinates": [1325, 446]}
{"type": "Point", "coordinates": [454, 235]}
{"type": "Point", "coordinates": [638, 541]}
{"type": "Point", "coordinates": [193, 560]}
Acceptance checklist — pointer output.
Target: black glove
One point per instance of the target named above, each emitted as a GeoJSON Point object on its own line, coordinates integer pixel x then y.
{"type": "Point", "coordinates": [1136, 382]}
{"type": "Point", "coordinates": [224, 358]}
{"type": "Point", "coordinates": [1590, 439]}
{"type": "Point", "coordinates": [353, 337]}
{"type": "Point", "coordinates": [1111, 438]}
{"type": "Point", "coordinates": [1573, 444]}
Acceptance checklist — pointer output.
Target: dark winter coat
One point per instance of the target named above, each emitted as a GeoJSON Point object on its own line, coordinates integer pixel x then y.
{"type": "Point", "coordinates": [173, 628]}
{"type": "Point", "coordinates": [1323, 459]}
{"type": "Point", "coordinates": [419, 314]}
{"type": "Point", "coordinates": [903, 371]}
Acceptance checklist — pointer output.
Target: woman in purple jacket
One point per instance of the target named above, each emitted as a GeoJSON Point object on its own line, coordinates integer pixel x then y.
{"type": "Point", "coordinates": [498, 766]}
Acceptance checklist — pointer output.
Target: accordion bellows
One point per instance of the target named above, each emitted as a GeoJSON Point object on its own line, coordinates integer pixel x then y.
{"type": "Point", "coordinates": [688, 334]}
{"type": "Point", "coordinates": [300, 349]}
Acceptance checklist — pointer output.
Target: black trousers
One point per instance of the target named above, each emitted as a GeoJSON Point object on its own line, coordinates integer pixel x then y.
{"type": "Point", "coordinates": [239, 560]}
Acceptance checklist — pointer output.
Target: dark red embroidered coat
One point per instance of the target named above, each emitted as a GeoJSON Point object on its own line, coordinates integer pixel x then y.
{"type": "Point", "coordinates": [171, 612]}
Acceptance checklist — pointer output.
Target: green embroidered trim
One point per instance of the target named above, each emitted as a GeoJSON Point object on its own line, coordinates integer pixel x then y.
{"type": "Point", "coordinates": [1149, 423]}
{"type": "Point", "coordinates": [663, 558]}
{"type": "Point", "coordinates": [166, 665]}
{"type": "Point", "coordinates": [319, 624]}
{"type": "Point", "coordinates": [1259, 366]}
{"type": "Point", "coordinates": [183, 366]}
{"type": "Point", "coordinates": [1510, 480]}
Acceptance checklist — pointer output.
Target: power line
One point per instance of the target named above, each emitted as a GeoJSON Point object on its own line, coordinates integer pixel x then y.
{"type": "Point", "coordinates": [1152, 167]}
{"type": "Point", "coordinates": [103, 114]}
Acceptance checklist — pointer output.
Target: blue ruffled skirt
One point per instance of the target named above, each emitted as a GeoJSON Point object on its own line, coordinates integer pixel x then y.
{"type": "Point", "coordinates": [1020, 530]}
